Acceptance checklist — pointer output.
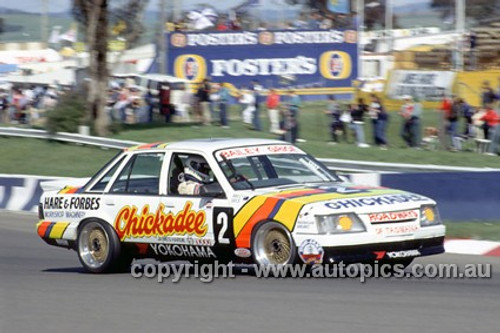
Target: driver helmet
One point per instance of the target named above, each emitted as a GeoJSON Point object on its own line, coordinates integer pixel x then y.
{"type": "Point", "coordinates": [196, 167]}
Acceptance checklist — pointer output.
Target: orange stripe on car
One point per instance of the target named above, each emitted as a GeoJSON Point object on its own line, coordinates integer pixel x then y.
{"type": "Point", "coordinates": [243, 237]}
{"type": "Point", "coordinates": [42, 228]}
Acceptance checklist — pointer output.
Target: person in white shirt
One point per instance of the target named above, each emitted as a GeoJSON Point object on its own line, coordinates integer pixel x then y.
{"type": "Point", "coordinates": [248, 100]}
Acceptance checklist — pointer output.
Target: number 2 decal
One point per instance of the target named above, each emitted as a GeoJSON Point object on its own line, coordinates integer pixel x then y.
{"type": "Point", "coordinates": [223, 226]}
{"type": "Point", "coordinates": [222, 219]}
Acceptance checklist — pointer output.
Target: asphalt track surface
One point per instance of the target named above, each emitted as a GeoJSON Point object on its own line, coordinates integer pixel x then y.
{"type": "Point", "coordinates": [44, 289]}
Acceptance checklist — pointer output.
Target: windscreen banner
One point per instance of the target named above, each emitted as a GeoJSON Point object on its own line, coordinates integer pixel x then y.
{"type": "Point", "coordinates": [310, 62]}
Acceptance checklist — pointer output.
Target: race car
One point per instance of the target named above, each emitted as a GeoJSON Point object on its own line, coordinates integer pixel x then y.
{"type": "Point", "coordinates": [257, 201]}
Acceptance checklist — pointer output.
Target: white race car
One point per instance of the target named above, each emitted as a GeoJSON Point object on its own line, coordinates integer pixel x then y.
{"type": "Point", "coordinates": [262, 201]}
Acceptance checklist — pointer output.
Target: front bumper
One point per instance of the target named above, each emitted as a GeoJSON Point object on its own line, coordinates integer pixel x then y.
{"type": "Point", "coordinates": [384, 251]}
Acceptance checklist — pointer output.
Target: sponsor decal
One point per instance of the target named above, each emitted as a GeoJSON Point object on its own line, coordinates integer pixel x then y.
{"type": "Point", "coordinates": [305, 225]}
{"type": "Point", "coordinates": [335, 65]}
{"type": "Point", "coordinates": [396, 254]}
{"type": "Point", "coordinates": [186, 240]}
{"type": "Point", "coordinates": [258, 150]}
{"type": "Point", "coordinates": [393, 216]}
{"type": "Point", "coordinates": [132, 222]}
{"type": "Point", "coordinates": [75, 215]}
{"type": "Point", "coordinates": [396, 230]}
{"type": "Point", "coordinates": [403, 254]}
{"type": "Point", "coordinates": [376, 201]}
{"type": "Point", "coordinates": [75, 203]}
{"type": "Point", "coordinates": [242, 252]}
{"type": "Point", "coordinates": [53, 215]}
{"type": "Point", "coordinates": [190, 67]}
{"type": "Point", "coordinates": [311, 252]}
{"type": "Point", "coordinates": [177, 250]}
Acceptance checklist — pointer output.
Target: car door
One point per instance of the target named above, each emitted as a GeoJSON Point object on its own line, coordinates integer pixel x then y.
{"type": "Point", "coordinates": [132, 200]}
{"type": "Point", "coordinates": [204, 221]}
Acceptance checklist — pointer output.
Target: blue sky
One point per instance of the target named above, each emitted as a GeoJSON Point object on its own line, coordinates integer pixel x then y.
{"type": "Point", "coordinates": [63, 5]}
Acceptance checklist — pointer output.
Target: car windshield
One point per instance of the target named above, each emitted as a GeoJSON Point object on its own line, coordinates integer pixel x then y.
{"type": "Point", "coordinates": [268, 166]}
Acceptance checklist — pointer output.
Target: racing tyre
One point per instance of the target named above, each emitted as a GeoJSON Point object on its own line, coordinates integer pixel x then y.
{"type": "Point", "coordinates": [272, 244]}
{"type": "Point", "coordinates": [99, 248]}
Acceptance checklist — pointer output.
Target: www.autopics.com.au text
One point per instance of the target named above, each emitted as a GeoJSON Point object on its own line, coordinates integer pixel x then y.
{"type": "Point", "coordinates": [206, 273]}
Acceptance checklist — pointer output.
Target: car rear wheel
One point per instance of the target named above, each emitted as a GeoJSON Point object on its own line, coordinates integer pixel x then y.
{"type": "Point", "coordinates": [99, 248]}
{"type": "Point", "coordinates": [273, 245]}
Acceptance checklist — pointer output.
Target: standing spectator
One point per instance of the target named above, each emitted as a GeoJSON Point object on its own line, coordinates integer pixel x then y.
{"type": "Point", "coordinates": [406, 112]}
{"type": "Point", "coordinates": [294, 103]}
{"type": "Point", "coordinates": [272, 103]}
{"type": "Point", "coordinates": [467, 112]}
{"type": "Point", "coordinates": [214, 99]}
{"type": "Point", "coordinates": [221, 24]}
{"type": "Point", "coordinates": [336, 125]}
{"type": "Point", "coordinates": [491, 121]}
{"type": "Point", "coordinates": [256, 90]}
{"type": "Point", "coordinates": [203, 96]}
{"type": "Point", "coordinates": [487, 94]}
{"type": "Point", "coordinates": [4, 106]}
{"type": "Point", "coordinates": [453, 122]}
{"type": "Point", "coordinates": [380, 118]}
{"type": "Point", "coordinates": [472, 50]}
{"type": "Point", "coordinates": [416, 124]}
{"type": "Point", "coordinates": [166, 103]}
{"type": "Point", "coordinates": [357, 114]}
{"type": "Point", "coordinates": [224, 99]}
{"type": "Point", "coordinates": [149, 100]}
{"type": "Point", "coordinates": [247, 99]}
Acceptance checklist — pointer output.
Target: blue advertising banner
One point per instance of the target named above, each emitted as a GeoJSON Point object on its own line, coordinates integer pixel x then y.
{"type": "Point", "coordinates": [311, 62]}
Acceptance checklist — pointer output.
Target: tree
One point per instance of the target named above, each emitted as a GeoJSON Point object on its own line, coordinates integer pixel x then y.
{"type": "Point", "coordinates": [94, 17]}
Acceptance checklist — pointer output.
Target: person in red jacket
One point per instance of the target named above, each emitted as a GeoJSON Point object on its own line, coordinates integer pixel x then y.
{"type": "Point", "coordinates": [491, 121]}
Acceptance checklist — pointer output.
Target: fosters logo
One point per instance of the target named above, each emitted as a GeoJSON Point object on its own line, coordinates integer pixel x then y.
{"type": "Point", "coordinates": [130, 222]}
{"type": "Point", "coordinates": [335, 65]}
{"type": "Point", "coordinates": [190, 67]}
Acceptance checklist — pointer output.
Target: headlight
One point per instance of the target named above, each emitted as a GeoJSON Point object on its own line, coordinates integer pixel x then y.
{"type": "Point", "coordinates": [429, 215]}
{"type": "Point", "coordinates": [338, 224]}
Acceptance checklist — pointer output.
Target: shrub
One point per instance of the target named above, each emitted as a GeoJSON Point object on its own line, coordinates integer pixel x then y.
{"type": "Point", "coordinates": [69, 113]}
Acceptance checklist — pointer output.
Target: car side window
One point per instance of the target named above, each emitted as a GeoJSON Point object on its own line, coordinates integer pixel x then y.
{"type": "Point", "coordinates": [103, 182]}
{"type": "Point", "coordinates": [196, 181]}
{"type": "Point", "coordinates": [141, 175]}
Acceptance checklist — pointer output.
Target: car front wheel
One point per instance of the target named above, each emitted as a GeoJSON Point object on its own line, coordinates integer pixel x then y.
{"type": "Point", "coordinates": [273, 245]}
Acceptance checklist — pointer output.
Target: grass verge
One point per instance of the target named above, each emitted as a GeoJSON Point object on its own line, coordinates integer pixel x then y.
{"type": "Point", "coordinates": [474, 230]}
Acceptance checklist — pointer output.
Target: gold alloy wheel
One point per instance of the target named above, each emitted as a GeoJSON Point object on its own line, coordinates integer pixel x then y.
{"type": "Point", "coordinates": [273, 245]}
{"type": "Point", "coordinates": [277, 247]}
{"type": "Point", "coordinates": [93, 245]}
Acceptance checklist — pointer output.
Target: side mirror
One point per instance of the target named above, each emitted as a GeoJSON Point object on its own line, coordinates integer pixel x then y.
{"type": "Point", "coordinates": [213, 190]}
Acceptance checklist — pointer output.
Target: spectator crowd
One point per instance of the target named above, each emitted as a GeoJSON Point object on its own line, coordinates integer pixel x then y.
{"type": "Point", "coordinates": [25, 105]}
